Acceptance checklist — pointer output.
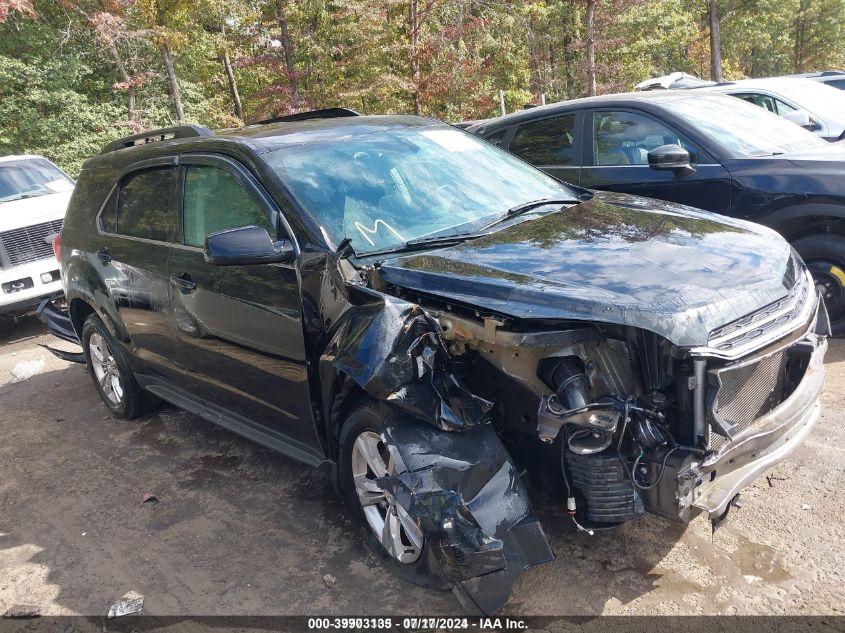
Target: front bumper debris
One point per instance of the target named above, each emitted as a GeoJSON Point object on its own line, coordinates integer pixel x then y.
{"type": "Point", "coordinates": [59, 324]}
{"type": "Point", "coordinates": [465, 493]}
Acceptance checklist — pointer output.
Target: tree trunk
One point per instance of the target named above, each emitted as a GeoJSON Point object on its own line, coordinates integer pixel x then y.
{"type": "Point", "coordinates": [125, 78]}
{"type": "Point", "coordinates": [591, 48]}
{"type": "Point", "coordinates": [413, 51]}
{"type": "Point", "coordinates": [800, 25]}
{"type": "Point", "coordinates": [287, 47]}
{"type": "Point", "coordinates": [233, 85]}
{"type": "Point", "coordinates": [167, 58]}
{"type": "Point", "coordinates": [715, 42]}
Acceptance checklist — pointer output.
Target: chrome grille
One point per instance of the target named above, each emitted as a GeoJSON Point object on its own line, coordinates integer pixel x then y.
{"type": "Point", "coordinates": [755, 326]}
{"type": "Point", "coordinates": [28, 244]}
{"type": "Point", "coordinates": [748, 392]}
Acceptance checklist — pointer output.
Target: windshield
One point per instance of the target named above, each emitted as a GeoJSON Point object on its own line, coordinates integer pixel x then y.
{"type": "Point", "coordinates": [743, 129]}
{"type": "Point", "coordinates": [824, 101]}
{"type": "Point", "coordinates": [386, 188]}
{"type": "Point", "coordinates": [31, 177]}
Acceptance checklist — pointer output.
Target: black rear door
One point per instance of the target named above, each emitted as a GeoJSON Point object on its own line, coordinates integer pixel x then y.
{"type": "Point", "coordinates": [616, 147]}
{"type": "Point", "coordinates": [137, 224]}
{"type": "Point", "coordinates": [551, 143]}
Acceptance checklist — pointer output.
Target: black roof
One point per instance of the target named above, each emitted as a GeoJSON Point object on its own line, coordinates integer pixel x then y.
{"type": "Point", "coordinates": [258, 138]}
{"type": "Point", "coordinates": [278, 135]}
{"type": "Point", "coordinates": [619, 100]}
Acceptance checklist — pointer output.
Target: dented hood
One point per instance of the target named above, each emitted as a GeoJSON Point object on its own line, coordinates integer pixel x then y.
{"type": "Point", "coordinates": [667, 268]}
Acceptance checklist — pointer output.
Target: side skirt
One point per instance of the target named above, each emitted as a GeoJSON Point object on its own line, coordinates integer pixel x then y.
{"type": "Point", "coordinates": [235, 422]}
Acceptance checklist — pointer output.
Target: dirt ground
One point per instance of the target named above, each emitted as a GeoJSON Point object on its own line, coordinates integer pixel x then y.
{"type": "Point", "coordinates": [239, 530]}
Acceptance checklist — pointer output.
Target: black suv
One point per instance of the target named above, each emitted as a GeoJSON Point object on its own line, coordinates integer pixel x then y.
{"type": "Point", "coordinates": [441, 327]}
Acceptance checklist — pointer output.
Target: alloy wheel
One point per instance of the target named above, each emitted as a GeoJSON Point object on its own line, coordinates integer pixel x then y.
{"type": "Point", "coordinates": [105, 368]}
{"type": "Point", "coordinates": [396, 530]}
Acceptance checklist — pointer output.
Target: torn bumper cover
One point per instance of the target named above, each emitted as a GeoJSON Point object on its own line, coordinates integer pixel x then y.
{"type": "Point", "coordinates": [465, 493]}
{"type": "Point", "coordinates": [59, 324]}
{"type": "Point", "coordinates": [392, 349]}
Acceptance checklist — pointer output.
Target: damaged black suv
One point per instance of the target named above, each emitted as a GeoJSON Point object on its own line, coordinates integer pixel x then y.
{"type": "Point", "coordinates": [441, 327]}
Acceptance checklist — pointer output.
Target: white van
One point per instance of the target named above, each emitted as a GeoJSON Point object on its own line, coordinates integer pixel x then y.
{"type": "Point", "coordinates": [34, 194]}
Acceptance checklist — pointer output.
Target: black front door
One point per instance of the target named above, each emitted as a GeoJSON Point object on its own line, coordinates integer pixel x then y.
{"type": "Point", "coordinates": [617, 145]}
{"type": "Point", "coordinates": [239, 327]}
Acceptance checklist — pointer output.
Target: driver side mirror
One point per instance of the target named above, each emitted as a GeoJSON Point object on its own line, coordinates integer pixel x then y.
{"type": "Point", "coordinates": [671, 158]}
{"type": "Point", "coordinates": [802, 118]}
{"type": "Point", "coordinates": [246, 245]}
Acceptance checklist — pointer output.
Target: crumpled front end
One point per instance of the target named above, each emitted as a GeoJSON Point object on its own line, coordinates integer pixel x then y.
{"type": "Point", "coordinates": [454, 477]}
{"type": "Point", "coordinates": [758, 405]}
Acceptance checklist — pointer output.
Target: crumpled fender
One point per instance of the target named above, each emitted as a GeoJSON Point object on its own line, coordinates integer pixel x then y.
{"type": "Point", "coordinates": [466, 494]}
{"type": "Point", "coordinates": [392, 349]}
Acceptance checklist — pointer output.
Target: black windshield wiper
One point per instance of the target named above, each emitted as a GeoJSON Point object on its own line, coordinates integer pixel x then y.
{"type": "Point", "coordinates": [442, 239]}
{"type": "Point", "coordinates": [529, 206]}
{"type": "Point", "coordinates": [421, 243]}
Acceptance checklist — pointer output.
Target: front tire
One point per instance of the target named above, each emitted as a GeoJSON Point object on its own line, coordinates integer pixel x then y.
{"type": "Point", "coordinates": [393, 536]}
{"type": "Point", "coordinates": [111, 374]}
{"type": "Point", "coordinates": [825, 258]}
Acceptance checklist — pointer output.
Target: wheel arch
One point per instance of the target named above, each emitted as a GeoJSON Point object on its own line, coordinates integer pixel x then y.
{"type": "Point", "coordinates": [798, 221]}
{"type": "Point", "coordinates": [86, 293]}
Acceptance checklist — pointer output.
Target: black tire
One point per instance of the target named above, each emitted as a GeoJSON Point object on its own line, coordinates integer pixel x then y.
{"type": "Point", "coordinates": [825, 257]}
{"type": "Point", "coordinates": [370, 416]}
{"type": "Point", "coordinates": [135, 401]}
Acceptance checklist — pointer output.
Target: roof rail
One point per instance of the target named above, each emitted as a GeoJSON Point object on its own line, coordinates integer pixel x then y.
{"type": "Point", "coordinates": [163, 134]}
{"type": "Point", "coordinates": [327, 113]}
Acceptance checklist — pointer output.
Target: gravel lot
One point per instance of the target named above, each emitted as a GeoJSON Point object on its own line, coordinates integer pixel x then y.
{"type": "Point", "coordinates": [238, 529]}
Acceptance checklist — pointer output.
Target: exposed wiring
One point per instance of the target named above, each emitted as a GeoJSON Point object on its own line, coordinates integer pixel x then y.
{"type": "Point", "coordinates": [571, 507]}
{"type": "Point", "coordinates": [659, 475]}
{"type": "Point", "coordinates": [632, 473]}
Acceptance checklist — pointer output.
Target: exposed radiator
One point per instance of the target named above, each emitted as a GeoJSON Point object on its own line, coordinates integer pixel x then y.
{"type": "Point", "coordinates": [746, 393]}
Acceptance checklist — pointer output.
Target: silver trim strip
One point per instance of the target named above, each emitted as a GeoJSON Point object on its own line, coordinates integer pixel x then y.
{"type": "Point", "coordinates": [800, 320]}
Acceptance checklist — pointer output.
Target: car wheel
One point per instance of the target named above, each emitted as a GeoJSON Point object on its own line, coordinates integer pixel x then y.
{"type": "Point", "coordinates": [389, 531]}
{"type": "Point", "coordinates": [111, 373]}
{"type": "Point", "coordinates": [825, 257]}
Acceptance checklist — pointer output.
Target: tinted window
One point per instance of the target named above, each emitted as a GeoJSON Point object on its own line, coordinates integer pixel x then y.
{"type": "Point", "coordinates": [625, 138]}
{"type": "Point", "coordinates": [216, 201]}
{"type": "Point", "coordinates": [144, 206]}
{"type": "Point", "coordinates": [546, 142]}
{"type": "Point", "coordinates": [108, 216]}
{"type": "Point", "coordinates": [497, 137]}
{"type": "Point", "coordinates": [837, 83]}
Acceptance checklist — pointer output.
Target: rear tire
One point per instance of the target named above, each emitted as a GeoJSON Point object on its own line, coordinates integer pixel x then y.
{"type": "Point", "coordinates": [363, 425]}
{"type": "Point", "coordinates": [825, 257]}
{"type": "Point", "coordinates": [112, 376]}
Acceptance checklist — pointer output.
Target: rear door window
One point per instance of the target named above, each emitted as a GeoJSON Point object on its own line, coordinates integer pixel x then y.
{"type": "Point", "coordinates": [546, 143]}
{"type": "Point", "coordinates": [214, 201]}
{"type": "Point", "coordinates": [145, 205]}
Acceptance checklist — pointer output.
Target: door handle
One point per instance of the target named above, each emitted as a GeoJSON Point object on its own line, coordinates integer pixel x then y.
{"type": "Point", "coordinates": [184, 282]}
{"type": "Point", "coordinates": [104, 256]}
